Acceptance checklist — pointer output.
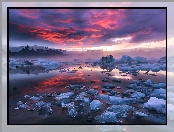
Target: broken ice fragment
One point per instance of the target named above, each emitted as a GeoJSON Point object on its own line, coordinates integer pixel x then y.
{"type": "Point", "coordinates": [36, 98]}
{"type": "Point", "coordinates": [26, 96]}
{"type": "Point", "coordinates": [92, 92]}
{"type": "Point", "coordinates": [120, 110]}
{"type": "Point", "coordinates": [103, 97]}
{"type": "Point", "coordinates": [107, 117]}
{"type": "Point", "coordinates": [45, 110]}
{"type": "Point", "coordinates": [108, 86]}
{"type": "Point", "coordinates": [156, 104]}
{"type": "Point", "coordinates": [96, 105]}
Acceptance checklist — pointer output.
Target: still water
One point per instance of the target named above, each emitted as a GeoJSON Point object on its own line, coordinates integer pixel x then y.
{"type": "Point", "coordinates": [51, 81]}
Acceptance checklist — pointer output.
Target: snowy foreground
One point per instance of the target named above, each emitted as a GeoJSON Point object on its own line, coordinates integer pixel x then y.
{"type": "Point", "coordinates": [149, 95]}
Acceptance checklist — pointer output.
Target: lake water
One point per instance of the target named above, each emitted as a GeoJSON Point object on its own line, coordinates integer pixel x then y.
{"type": "Point", "coordinates": [50, 81]}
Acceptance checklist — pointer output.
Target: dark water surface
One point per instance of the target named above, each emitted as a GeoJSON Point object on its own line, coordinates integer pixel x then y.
{"type": "Point", "coordinates": [55, 81]}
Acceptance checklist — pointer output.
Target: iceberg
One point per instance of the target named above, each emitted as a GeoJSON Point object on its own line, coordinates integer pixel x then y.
{"type": "Point", "coordinates": [92, 92]}
{"type": "Point", "coordinates": [96, 105]}
{"type": "Point", "coordinates": [115, 100]}
{"type": "Point", "coordinates": [108, 86]}
{"type": "Point", "coordinates": [125, 59]}
{"type": "Point", "coordinates": [138, 95]}
{"type": "Point", "coordinates": [103, 97]}
{"type": "Point", "coordinates": [156, 104]}
{"type": "Point", "coordinates": [120, 110]}
{"type": "Point", "coordinates": [140, 59]}
{"type": "Point", "coordinates": [107, 117]}
{"type": "Point", "coordinates": [45, 110]}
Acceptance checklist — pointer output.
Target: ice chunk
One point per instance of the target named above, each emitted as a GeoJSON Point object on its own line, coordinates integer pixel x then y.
{"type": "Point", "coordinates": [140, 59]}
{"type": "Point", "coordinates": [36, 98]}
{"type": "Point", "coordinates": [107, 117]}
{"type": "Point", "coordinates": [120, 110]}
{"type": "Point", "coordinates": [140, 113]}
{"type": "Point", "coordinates": [115, 100]}
{"type": "Point", "coordinates": [26, 96]}
{"type": "Point", "coordinates": [22, 106]}
{"type": "Point", "coordinates": [72, 113]}
{"type": "Point", "coordinates": [156, 104]}
{"type": "Point", "coordinates": [64, 95]}
{"type": "Point", "coordinates": [45, 110]}
{"type": "Point", "coordinates": [138, 95]}
{"type": "Point", "coordinates": [116, 80]}
{"type": "Point", "coordinates": [62, 70]}
{"type": "Point", "coordinates": [81, 96]}
{"type": "Point", "coordinates": [20, 103]}
{"type": "Point", "coordinates": [155, 69]}
{"type": "Point", "coordinates": [92, 92]}
{"type": "Point", "coordinates": [132, 85]}
{"type": "Point", "coordinates": [96, 105]}
{"type": "Point", "coordinates": [40, 104]}
{"type": "Point", "coordinates": [68, 105]}
{"type": "Point", "coordinates": [103, 97]}
{"type": "Point", "coordinates": [108, 86]}
{"type": "Point", "coordinates": [85, 101]}
{"type": "Point", "coordinates": [75, 87]}
{"type": "Point", "coordinates": [125, 59]}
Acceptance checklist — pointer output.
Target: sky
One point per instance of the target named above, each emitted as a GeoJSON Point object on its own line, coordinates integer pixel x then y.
{"type": "Point", "coordinates": [106, 29]}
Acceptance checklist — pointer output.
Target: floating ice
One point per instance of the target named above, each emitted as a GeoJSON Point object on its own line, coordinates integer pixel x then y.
{"type": "Point", "coordinates": [64, 95]}
{"type": "Point", "coordinates": [120, 110]}
{"type": "Point", "coordinates": [26, 96]}
{"type": "Point", "coordinates": [125, 59]}
{"type": "Point", "coordinates": [62, 70]}
{"type": "Point", "coordinates": [138, 95]}
{"type": "Point", "coordinates": [13, 64]}
{"type": "Point", "coordinates": [108, 86]}
{"type": "Point", "coordinates": [45, 110]}
{"type": "Point", "coordinates": [48, 64]}
{"type": "Point", "coordinates": [156, 104]}
{"type": "Point", "coordinates": [140, 59]}
{"type": "Point", "coordinates": [115, 100]}
{"type": "Point", "coordinates": [40, 104]}
{"type": "Point", "coordinates": [81, 96]}
{"type": "Point", "coordinates": [68, 105]}
{"type": "Point", "coordinates": [155, 69]}
{"type": "Point", "coordinates": [36, 98]}
{"type": "Point", "coordinates": [22, 106]}
{"type": "Point", "coordinates": [96, 105]}
{"type": "Point", "coordinates": [116, 80]}
{"type": "Point", "coordinates": [103, 97]}
{"type": "Point", "coordinates": [85, 101]}
{"type": "Point", "coordinates": [107, 117]}
{"type": "Point", "coordinates": [133, 85]}
{"type": "Point", "coordinates": [92, 92]}
{"type": "Point", "coordinates": [75, 87]}
{"type": "Point", "coordinates": [140, 113]}
{"type": "Point", "coordinates": [72, 113]}
{"type": "Point", "coordinates": [20, 103]}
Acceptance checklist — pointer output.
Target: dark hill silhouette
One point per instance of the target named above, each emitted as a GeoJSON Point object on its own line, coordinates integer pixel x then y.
{"type": "Point", "coordinates": [38, 52]}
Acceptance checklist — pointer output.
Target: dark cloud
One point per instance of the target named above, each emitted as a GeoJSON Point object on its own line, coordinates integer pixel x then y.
{"type": "Point", "coordinates": [87, 26]}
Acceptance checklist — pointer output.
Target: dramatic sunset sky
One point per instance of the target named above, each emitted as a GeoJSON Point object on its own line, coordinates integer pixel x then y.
{"type": "Point", "coordinates": [111, 29]}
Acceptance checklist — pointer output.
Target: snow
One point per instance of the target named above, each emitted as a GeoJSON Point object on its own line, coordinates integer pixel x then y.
{"type": "Point", "coordinates": [156, 104]}
{"type": "Point", "coordinates": [96, 105]}
{"type": "Point", "coordinates": [107, 117]}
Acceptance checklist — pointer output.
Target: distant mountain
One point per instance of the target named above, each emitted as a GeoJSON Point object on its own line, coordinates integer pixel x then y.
{"type": "Point", "coordinates": [34, 51]}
